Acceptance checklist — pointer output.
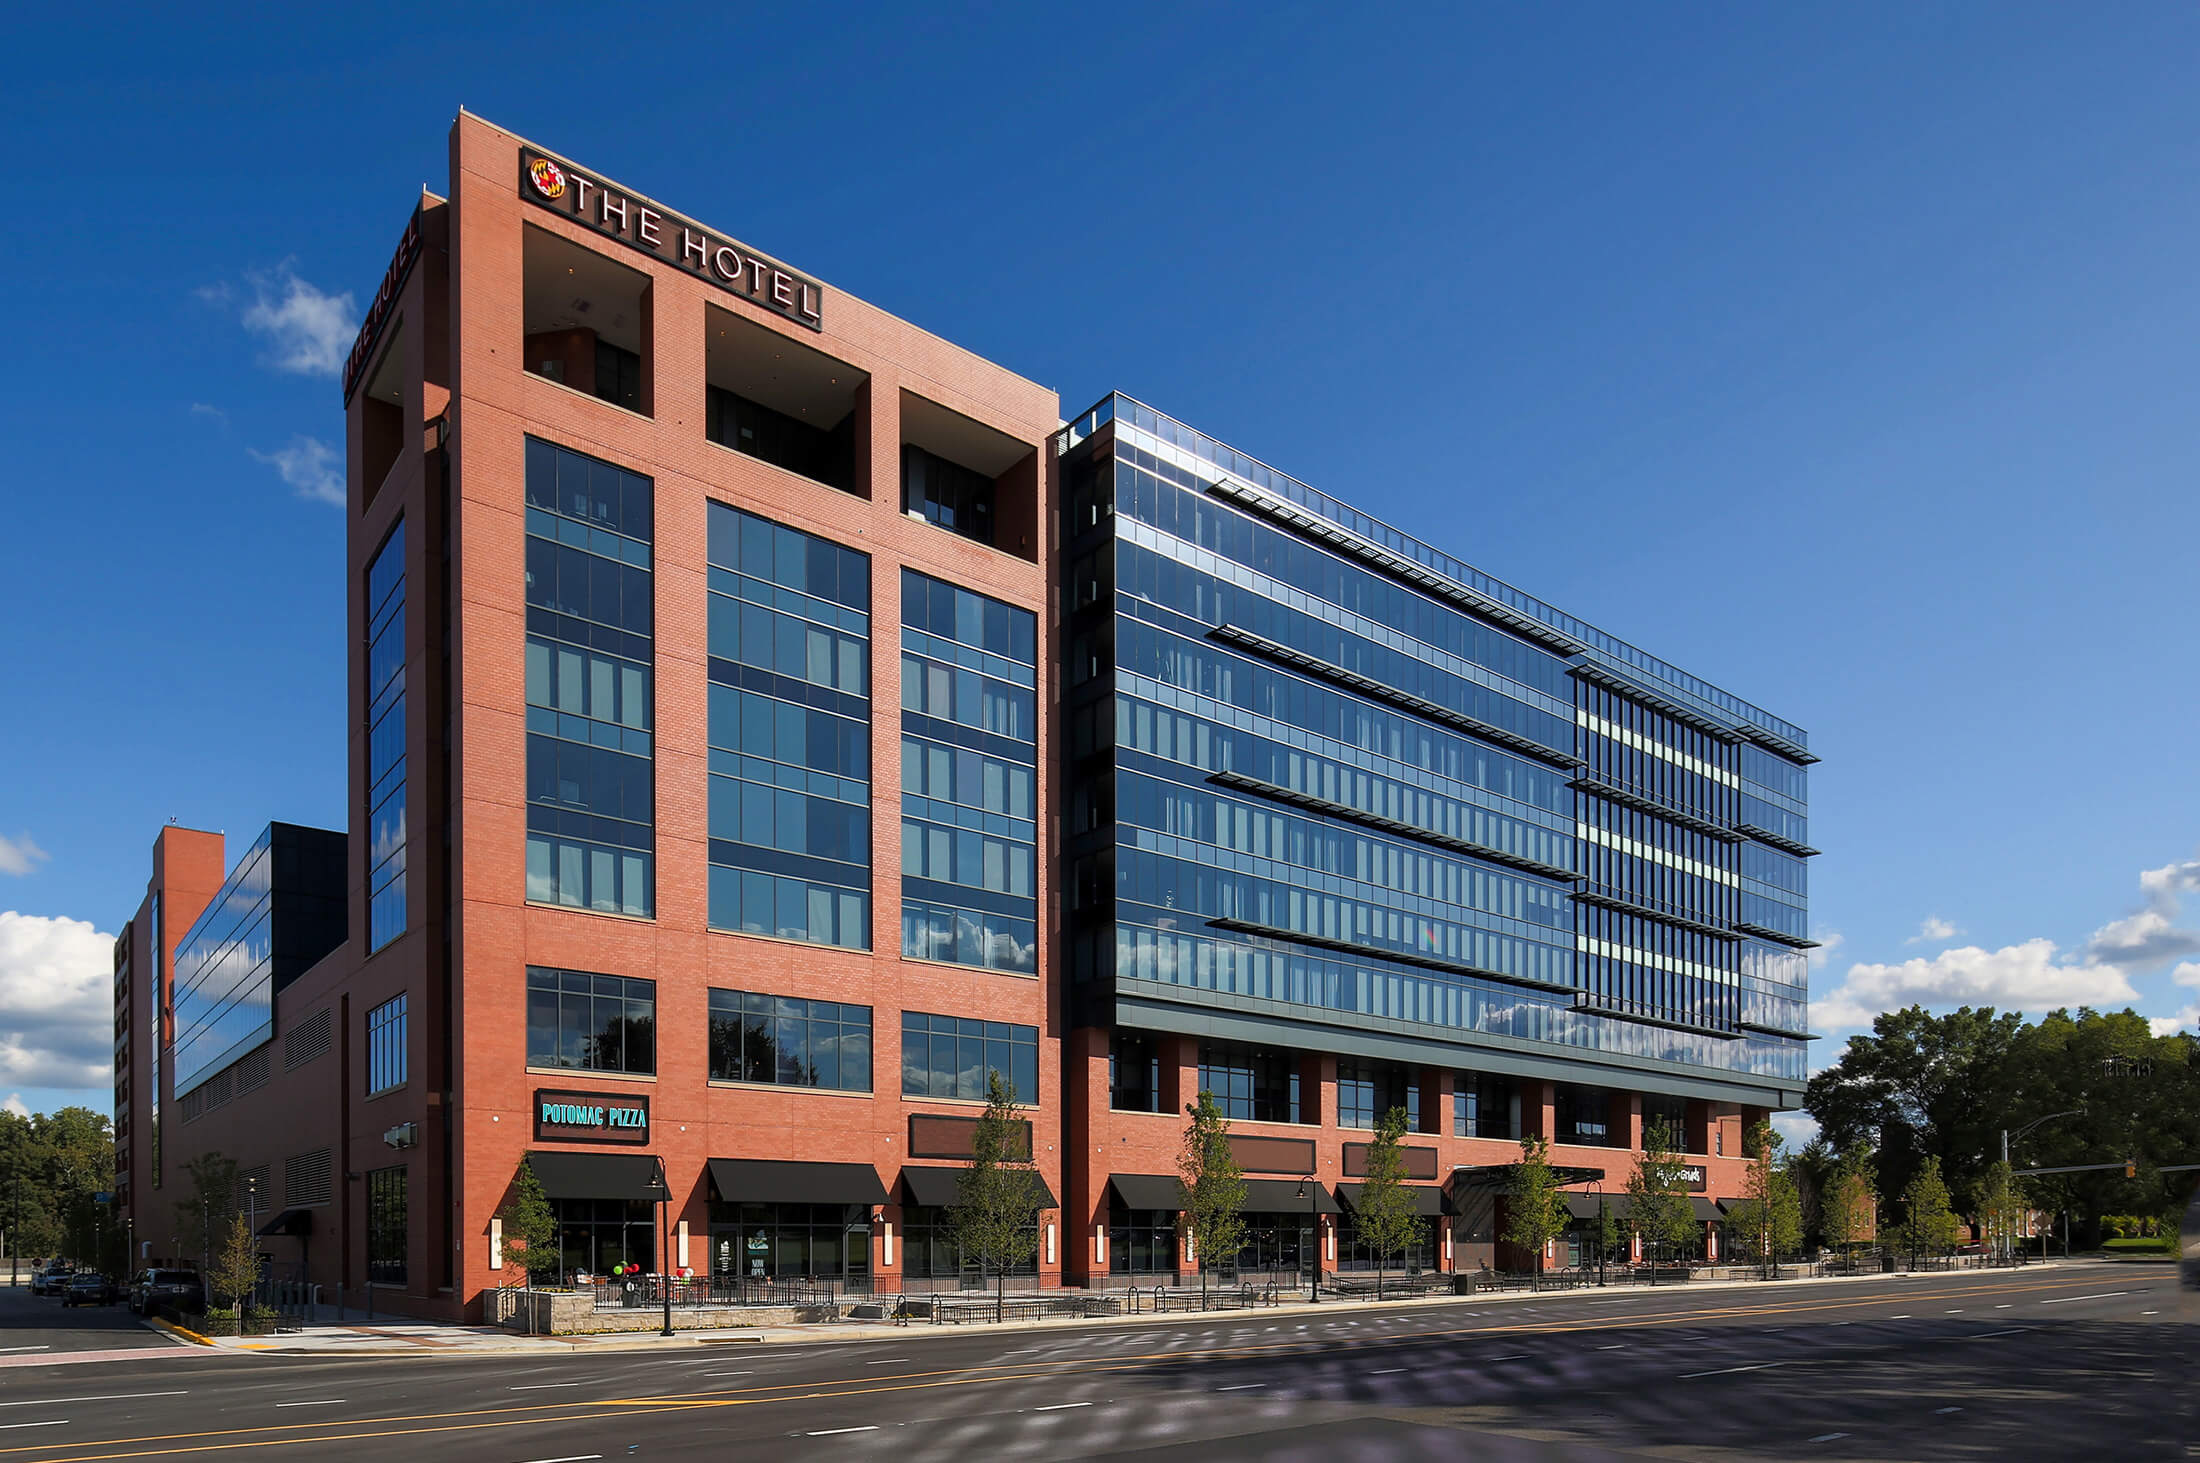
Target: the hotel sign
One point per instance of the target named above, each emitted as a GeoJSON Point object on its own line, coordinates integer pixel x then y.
{"type": "Point", "coordinates": [570, 193]}
{"type": "Point", "coordinates": [385, 300]}
{"type": "Point", "coordinates": [590, 1117]}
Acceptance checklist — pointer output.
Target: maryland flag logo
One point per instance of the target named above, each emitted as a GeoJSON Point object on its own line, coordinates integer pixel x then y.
{"type": "Point", "coordinates": [548, 177]}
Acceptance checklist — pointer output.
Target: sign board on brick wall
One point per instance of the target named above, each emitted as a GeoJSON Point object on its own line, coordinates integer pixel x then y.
{"type": "Point", "coordinates": [590, 1117]}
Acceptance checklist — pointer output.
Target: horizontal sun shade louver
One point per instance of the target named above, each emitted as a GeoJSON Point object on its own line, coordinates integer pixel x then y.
{"type": "Point", "coordinates": [1414, 831]}
{"type": "Point", "coordinates": [1372, 952]}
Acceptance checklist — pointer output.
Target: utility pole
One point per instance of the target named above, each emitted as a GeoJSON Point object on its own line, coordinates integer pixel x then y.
{"type": "Point", "coordinates": [2006, 1140]}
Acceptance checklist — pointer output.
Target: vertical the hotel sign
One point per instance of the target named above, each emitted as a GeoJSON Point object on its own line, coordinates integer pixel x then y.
{"type": "Point", "coordinates": [567, 191]}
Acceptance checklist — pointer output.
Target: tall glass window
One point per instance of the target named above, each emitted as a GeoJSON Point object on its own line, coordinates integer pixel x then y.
{"type": "Point", "coordinates": [386, 741]}
{"type": "Point", "coordinates": [790, 733]}
{"type": "Point", "coordinates": [1248, 1083]}
{"type": "Point", "coordinates": [591, 822]}
{"type": "Point", "coordinates": [951, 1056]}
{"type": "Point", "coordinates": [1367, 1090]}
{"type": "Point", "coordinates": [386, 1047]}
{"type": "Point", "coordinates": [387, 1221]}
{"type": "Point", "coordinates": [157, 1033]}
{"type": "Point", "coordinates": [969, 760]}
{"type": "Point", "coordinates": [590, 1022]}
{"type": "Point", "coordinates": [789, 1041]}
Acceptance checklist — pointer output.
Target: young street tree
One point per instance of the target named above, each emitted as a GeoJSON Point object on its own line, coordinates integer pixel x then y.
{"type": "Point", "coordinates": [1212, 1189]}
{"type": "Point", "coordinates": [1928, 1223]}
{"type": "Point", "coordinates": [203, 1210]}
{"type": "Point", "coordinates": [1847, 1205]}
{"type": "Point", "coordinates": [236, 1268]}
{"type": "Point", "coordinates": [1770, 1214]}
{"type": "Point", "coordinates": [999, 1196]}
{"type": "Point", "coordinates": [1535, 1210]}
{"type": "Point", "coordinates": [530, 1231]}
{"type": "Point", "coordinates": [1388, 1220]}
{"type": "Point", "coordinates": [1998, 1208]}
{"type": "Point", "coordinates": [1657, 1202]}
{"type": "Point", "coordinates": [1609, 1233]}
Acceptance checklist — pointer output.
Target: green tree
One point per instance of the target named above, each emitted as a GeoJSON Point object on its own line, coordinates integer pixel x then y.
{"type": "Point", "coordinates": [209, 1197]}
{"type": "Point", "coordinates": [1921, 1086]}
{"type": "Point", "coordinates": [1769, 1218]}
{"type": "Point", "coordinates": [530, 1228]}
{"type": "Point", "coordinates": [1657, 1197]}
{"type": "Point", "coordinates": [1387, 1219]}
{"type": "Point", "coordinates": [1610, 1234]}
{"type": "Point", "coordinates": [1535, 1208]}
{"type": "Point", "coordinates": [1212, 1189]}
{"type": "Point", "coordinates": [1998, 1209]}
{"type": "Point", "coordinates": [236, 1268]}
{"type": "Point", "coordinates": [1847, 1205]}
{"type": "Point", "coordinates": [998, 1198]}
{"type": "Point", "coordinates": [1928, 1224]}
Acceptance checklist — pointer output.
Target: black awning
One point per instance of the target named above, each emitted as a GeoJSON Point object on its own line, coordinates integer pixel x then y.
{"type": "Point", "coordinates": [1147, 1191]}
{"type": "Point", "coordinates": [291, 1221]}
{"type": "Point", "coordinates": [1286, 1196]}
{"type": "Point", "coordinates": [1428, 1200]}
{"type": "Point", "coordinates": [941, 1188]}
{"type": "Point", "coordinates": [1584, 1206]}
{"type": "Point", "coordinates": [784, 1181]}
{"type": "Point", "coordinates": [629, 1176]}
{"type": "Point", "coordinates": [1499, 1176]}
{"type": "Point", "coordinates": [1706, 1210]}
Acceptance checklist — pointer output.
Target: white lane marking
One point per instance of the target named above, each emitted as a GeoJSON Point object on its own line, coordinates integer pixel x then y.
{"type": "Point", "coordinates": [57, 1422]}
{"type": "Point", "coordinates": [2005, 1305]}
{"type": "Point", "coordinates": [1956, 1312]}
{"type": "Point", "coordinates": [1944, 1411]}
{"type": "Point", "coordinates": [2150, 1313]}
{"type": "Point", "coordinates": [102, 1397]}
{"type": "Point", "coordinates": [323, 1402]}
{"type": "Point", "coordinates": [1386, 1371]}
{"type": "Point", "coordinates": [836, 1431]}
{"type": "Point", "coordinates": [1726, 1370]}
{"type": "Point", "coordinates": [2065, 1300]}
{"type": "Point", "coordinates": [729, 1374]}
{"type": "Point", "coordinates": [1058, 1406]}
{"type": "Point", "coordinates": [1514, 1356]}
{"type": "Point", "coordinates": [1615, 1346]}
{"type": "Point", "coordinates": [26, 1348]}
{"type": "Point", "coordinates": [540, 1386]}
{"type": "Point", "coordinates": [887, 1361]}
{"type": "Point", "coordinates": [568, 1458]}
{"type": "Point", "coordinates": [1828, 1437]}
{"type": "Point", "coordinates": [1241, 1387]}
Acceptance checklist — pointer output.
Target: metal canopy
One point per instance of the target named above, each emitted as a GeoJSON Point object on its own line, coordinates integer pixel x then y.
{"type": "Point", "coordinates": [1428, 1200]}
{"type": "Point", "coordinates": [626, 1176]}
{"type": "Point", "coordinates": [941, 1188]}
{"type": "Point", "coordinates": [297, 1222]}
{"type": "Point", "coordinates": [1499, 1176]}
{"type": "Point", "coordinates": [770, 1181]}
{"type": "Point", "coordinates": [1147, 1191]}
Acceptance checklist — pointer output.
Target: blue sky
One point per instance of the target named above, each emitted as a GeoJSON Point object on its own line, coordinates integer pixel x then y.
{"type": "Point", "coordinates": [1842, 355]}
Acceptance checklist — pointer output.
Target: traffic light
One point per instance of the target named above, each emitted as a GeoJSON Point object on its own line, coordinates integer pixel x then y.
{"type": "Point", "coordinates": [2131, 1168]}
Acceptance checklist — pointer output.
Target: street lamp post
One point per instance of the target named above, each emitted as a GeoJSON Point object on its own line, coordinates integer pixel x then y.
{"type": "Point", "coordinates": [1310, 1187]}
{"type": "Point", "coordinates": [663, 1187]}
{"type": "Point", "coordinates": [2007, 1139]}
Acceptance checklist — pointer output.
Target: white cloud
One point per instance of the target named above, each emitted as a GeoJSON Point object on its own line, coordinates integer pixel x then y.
{"type": "Point", "coordinates": [14, 1103]}
{"type": "Point", "coordinates": [1828, 942]}
{"type": "Point", "coordinates": [2152, 936]}
{"type": "Point", "coordinates": [309, 465]}
{"type": "Point", "coordinates": [20, 855]}
{"type": "Point", "coordinates": [56, 1003]}
{"type": "Point", "coordinates": [1933, 930]}
{"type": "Point", "coordinates": [2027, 977]}
{"type": "Point", "coordinates": [201, 409]}
{"type": "Point", "coordinates": [2187, 1019]}
{"type": "Point", "coordinates": [2187, 974]}
{"type": "Point", "coordinates": [1795, 1128]}
{"type": "Point", "coordinates": [310, 331]}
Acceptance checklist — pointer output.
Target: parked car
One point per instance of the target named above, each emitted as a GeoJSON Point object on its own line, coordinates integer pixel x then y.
{"type": "Point", "coordinates": [50, 1280]}
{"type": "Point", "coordinates": [180, 1290]}
{"type": "Point", "coordinates": [88, 1288]}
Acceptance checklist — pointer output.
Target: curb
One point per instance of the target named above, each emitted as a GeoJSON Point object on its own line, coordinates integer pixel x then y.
{"type": "Point", "coordinates": [180, 1333]}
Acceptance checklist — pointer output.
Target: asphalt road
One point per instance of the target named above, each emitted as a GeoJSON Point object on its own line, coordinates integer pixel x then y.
{"type": "Point", "coordinates": [2078, 1363]}
{"type": "Point", "coordinates": [36, 1325]}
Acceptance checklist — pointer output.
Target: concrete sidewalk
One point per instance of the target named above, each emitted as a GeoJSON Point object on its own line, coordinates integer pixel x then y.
{"type": "Point", "coordinates": [396, 1336]}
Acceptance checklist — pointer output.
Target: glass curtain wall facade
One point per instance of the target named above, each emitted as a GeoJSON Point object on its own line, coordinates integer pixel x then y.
{"type": "Point", "coordinates": [591, 647]}
{"type": "Point", "coordinates": [386, 741]}
{"type": "Point", "coordinates": [969, 752]}
{"type": "Point", "coordinates": [225, 972]}
{"type": "Point", "coordinates": [790, 733]}
{"type": "Point", "coordinates": [1315, 763]}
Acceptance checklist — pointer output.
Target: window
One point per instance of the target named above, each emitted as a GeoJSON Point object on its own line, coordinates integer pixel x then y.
{"type": "Point", "coordinates": [595, 1234]}
{"type": "Point", "coordinates": [950, 1056]}
{"type": "Point", "coordinates": [591, 1023]}
{"type": "Point", "coordinates": [1248, 1083]}
{"type": "Point", "coordinates": [1134, 1072]}
{"type": "Point", "coordinates": [1583, 1116]}
{"type": "Point", "coordinates": [779, 401]}
{"type": "Point", "coordinates": [1141, 1241]}
{"type": "Point", "coordinates": [1367, 1090]}
{"type": "Point", "coordinates": [387, 1225]}
{"type": "Point", "coordinates": [969, 756]}
{"type": "Point", "coordinates": [591, 821]}
{"type": "Point", "coordinates": [793, 1241]}
{"type": "Point", "coordinates": [386, 1047]}
{"type": "Point", "coordinates": [947, 494]}
{"type": "Point", "coordinates": [929, 1249]}
{"type": "Point", "coordinates": [386, 741]}
{"type": "Point", "coordinates": [789, 1041]}
{"type": "Point", "coordinates": [585, 320]}
{"type": "Point", "coordinates": [1671, 1111]}
{"type": "Point", "coordinates": [1484, 1107]}
{"type": "Point", "coordinates": [790, 733]}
